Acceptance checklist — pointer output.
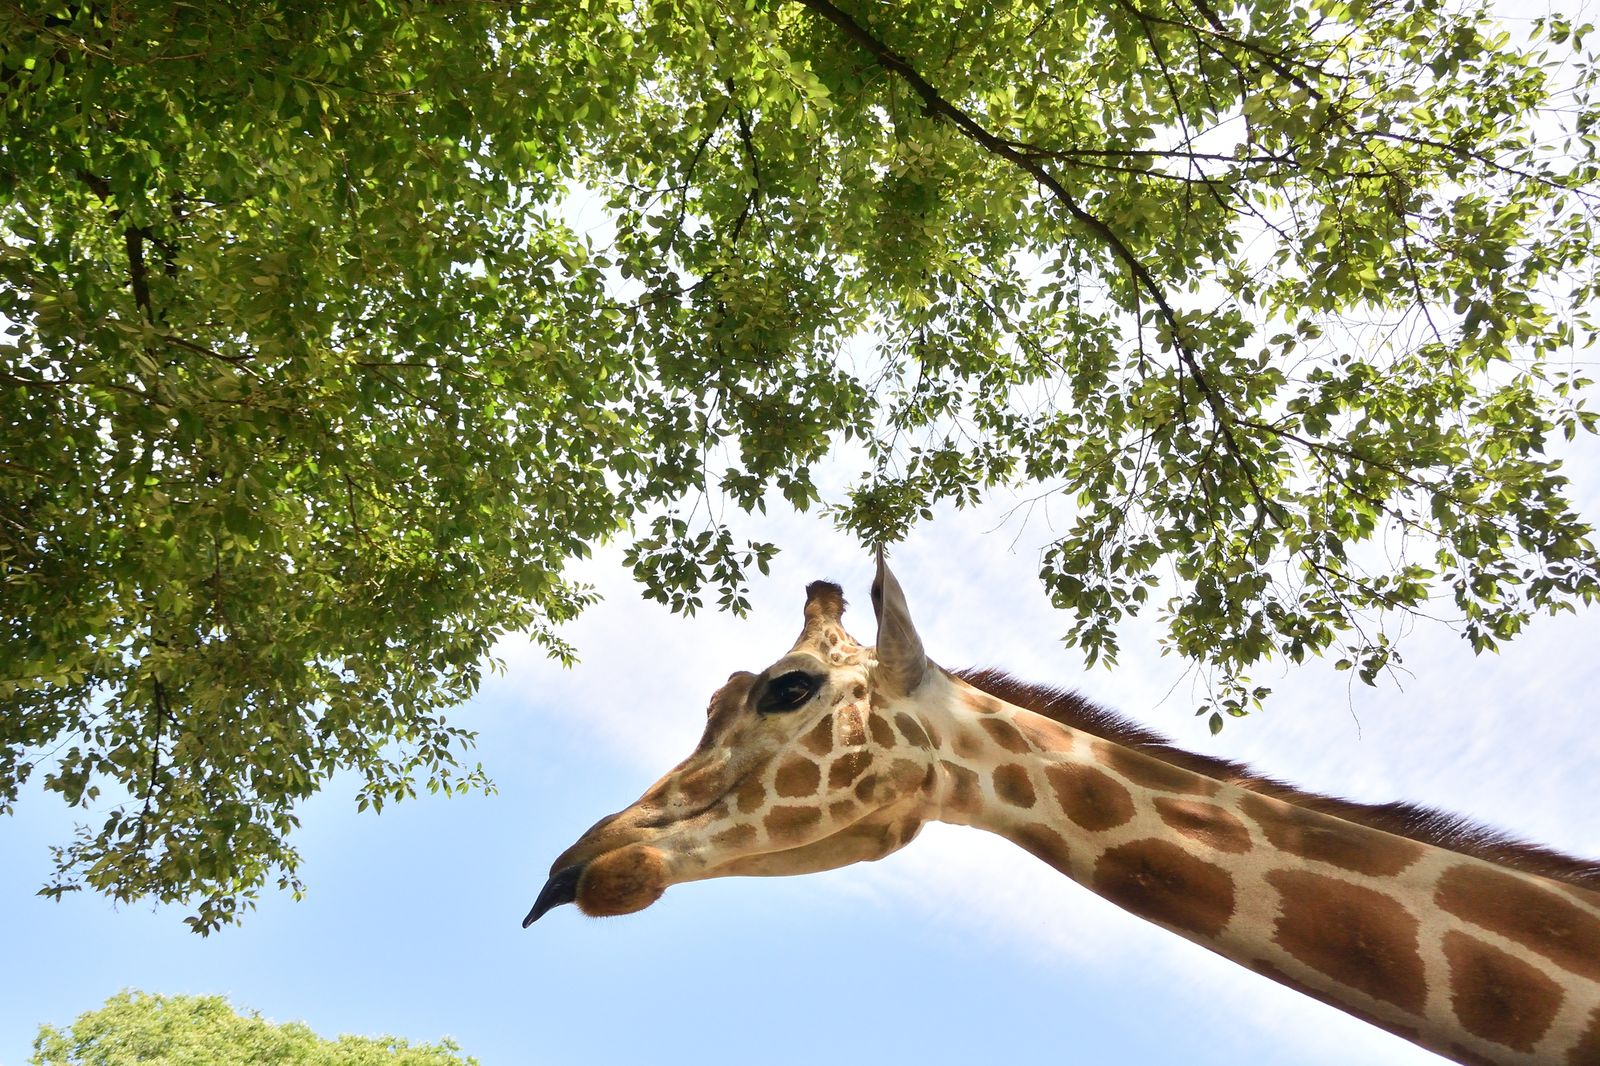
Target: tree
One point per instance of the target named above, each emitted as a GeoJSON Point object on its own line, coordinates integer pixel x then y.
{"type": "Point", "coordinates": [313, 389]}
{"type": "Point", "coordinates": [136, 1027]}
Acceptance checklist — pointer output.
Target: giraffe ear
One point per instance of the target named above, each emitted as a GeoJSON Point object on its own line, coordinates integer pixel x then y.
{"type": "Point", "coordinates": [901, 661]}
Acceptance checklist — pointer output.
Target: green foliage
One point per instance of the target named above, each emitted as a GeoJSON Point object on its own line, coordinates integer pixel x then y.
{"type": "Point", "coordinates": [311, 388]}
{"type": "Point", "coordinates": [308, 399]}
{"type": "Point", "coordinates": [135, 1027]}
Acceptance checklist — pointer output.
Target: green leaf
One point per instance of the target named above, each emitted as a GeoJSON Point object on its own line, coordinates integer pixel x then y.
{"type": "Point", "coordinates": [332, 344]}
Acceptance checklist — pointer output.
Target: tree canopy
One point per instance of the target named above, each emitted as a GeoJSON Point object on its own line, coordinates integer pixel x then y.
{"type": "Point", "coordinates": [313, 388]}
{"type": "Point", "coordinates": [136, 1027]}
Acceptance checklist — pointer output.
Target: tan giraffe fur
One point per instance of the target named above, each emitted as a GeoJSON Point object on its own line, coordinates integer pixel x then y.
{"type": "Point", "coordinates": [1448, 939]}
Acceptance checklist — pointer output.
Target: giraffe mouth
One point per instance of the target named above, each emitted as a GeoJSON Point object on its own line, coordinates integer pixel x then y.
{"type": "Point", "coordinates": [561, 888]}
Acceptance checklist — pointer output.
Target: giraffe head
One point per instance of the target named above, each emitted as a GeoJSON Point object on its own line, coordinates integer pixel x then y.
{"type": "Point", "coordinates": [811, 764]}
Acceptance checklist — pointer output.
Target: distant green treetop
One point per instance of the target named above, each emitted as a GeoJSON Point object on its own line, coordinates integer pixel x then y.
{"type": "Point", "coordinates": [137, 1028]}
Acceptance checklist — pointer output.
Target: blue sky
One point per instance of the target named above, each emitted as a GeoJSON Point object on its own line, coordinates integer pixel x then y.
{"type": "Point", "coordinates": [959, 945]}
{"type": "Point", "coordinates": [960, 948]}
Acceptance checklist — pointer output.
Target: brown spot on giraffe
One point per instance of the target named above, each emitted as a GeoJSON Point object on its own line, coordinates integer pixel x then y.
{"type": "Point", "coordinates": [842, 810]}
{"type": "Point", "coordinates": [967, 744]}
{"type": "Point", "coordinates": [819, 740]}
{"type": "Point", "coordinates": [858, 691]}
{"type": "Point", "coordinates": [964, 795]}
{"type": "Point", "coordinates": [1158, 880]}
{"type": "Point", "coordinates": [1205, 823]}
{"type": "Point", "coordinates": [1587, 1050]}
{"type": "Point", "coordinates": [736, 836]}
{"type": "Point", "coordinates": [797, 777]}
{"type": "Point", "coordinates": [699, 788]}
{"type": "Point", "coordinates": [1044, 734]}
{"type": "Point", "coordinates": [752, 794]}
{"type": "Point", "coordinates": [1043, 843]}
{"type": "Point", "coordinates": [1538, 919]}
{"type": "Point", "coordinates": [981, 702]}
{"type": "Point", "coordinates": [866, 787]}
{"type": "Point", "coordinates": [1150, 772]}
{"type": "Point", "coordinates": [790, 825]}
{"type": "Point", "coordinates": [846, 768]}
{"type": "Point", "coordinates": [1012, 785]}
{"type": "Point", "coordinates": [1093, 799]}
{"type": "Point", "coordinates": [915, 735]}
{"type": "Point", "coordinates": [907, 774]}
{"type": "Point", "coordinates": [1353, 934]}
{"type": "Point", "coordinates": [1006, 735]}
{"type": "Point", "coordinates": [1498, 996]}
{"type": "Point", "coordinates": [1468, 1057]}
{"type": "Point", "coordinates": [882, 735]}
{"type": "Point", "coordinates": [1330, 839]}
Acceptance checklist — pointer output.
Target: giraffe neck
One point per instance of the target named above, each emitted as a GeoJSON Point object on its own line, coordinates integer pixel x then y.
{"type": "Point", "coordinates": [1476, 961]}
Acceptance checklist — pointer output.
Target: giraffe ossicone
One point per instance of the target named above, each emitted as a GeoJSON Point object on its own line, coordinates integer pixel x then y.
{"type": "Point", "coordinates": [1484, 950]}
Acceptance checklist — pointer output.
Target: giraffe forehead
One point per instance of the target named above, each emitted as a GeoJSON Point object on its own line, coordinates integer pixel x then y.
{"type": "Point", "coordinates": [799, 659]}
{"type": "Point", "coordinates": [832, 645]}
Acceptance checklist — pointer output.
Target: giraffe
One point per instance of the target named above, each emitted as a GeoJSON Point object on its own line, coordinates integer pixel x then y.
{"type": "Point", "coordinates": [1479, 948]}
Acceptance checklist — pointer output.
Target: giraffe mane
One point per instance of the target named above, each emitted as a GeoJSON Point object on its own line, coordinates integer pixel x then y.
{"type": "Point", "coordinates": [1424, 824]}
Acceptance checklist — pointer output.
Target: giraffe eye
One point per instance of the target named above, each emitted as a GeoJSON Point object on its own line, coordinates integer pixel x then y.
{"type": "Point", "coordinates": [787, 692]}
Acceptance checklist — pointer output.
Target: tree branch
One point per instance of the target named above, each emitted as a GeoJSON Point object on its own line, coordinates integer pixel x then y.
{"type": "Point", "coordinates": [749, 143]}
{"type": "Point", "coordinates": [688, 175]}
{"type": "Point", "coordinates": [138, 279]}
{"type": "Point", "coordinates": [133, 238]}
{"type": "Point", "coordinates": [935, 104]}
{"type": "Point", "coordinates": [163, 713]}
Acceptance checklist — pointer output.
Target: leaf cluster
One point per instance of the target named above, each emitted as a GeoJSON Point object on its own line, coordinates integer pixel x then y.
{"type": "Point", "coordinates": [317, 372]}
{"type": "Point", "coordinates": [1284, 300]}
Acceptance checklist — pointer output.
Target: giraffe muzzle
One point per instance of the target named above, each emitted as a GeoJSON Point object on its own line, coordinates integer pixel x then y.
{"type": "Point", "coordinates": [561, 888]}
